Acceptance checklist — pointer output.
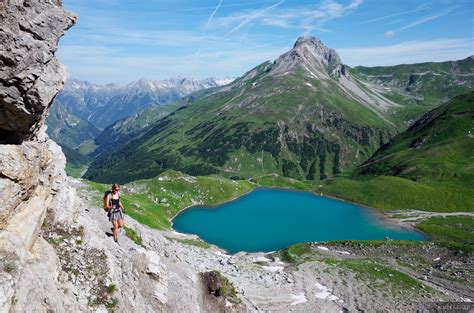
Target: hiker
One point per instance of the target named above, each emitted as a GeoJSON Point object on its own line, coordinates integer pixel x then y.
{"type": "Point", "coordinates": [115, 209]}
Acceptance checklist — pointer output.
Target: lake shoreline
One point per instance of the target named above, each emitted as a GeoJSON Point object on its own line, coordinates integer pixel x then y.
{"type": "Point", "coordinates": [370, 214]}
{"type": "Point", "coordinates": [317, 269]}
{"type": "Point", "coordinates": [382, 216]}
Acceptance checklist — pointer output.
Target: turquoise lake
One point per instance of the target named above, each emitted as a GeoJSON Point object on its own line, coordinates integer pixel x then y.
{"type": "Point", "coordinates": [271, 219]}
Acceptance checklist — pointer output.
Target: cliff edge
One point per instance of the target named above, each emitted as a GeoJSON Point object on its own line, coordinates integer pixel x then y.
{"type": "Point", "coordinates": [31, 165]}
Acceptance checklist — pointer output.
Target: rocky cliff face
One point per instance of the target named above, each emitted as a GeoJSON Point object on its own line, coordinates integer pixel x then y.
{"type": "Point", "coordinates": [31, 165]}
{"type": "Point", "coordinates": [30, 75]}
{"type": "Point", "coordinates": [54, 256]}
{"type": "Point", "coordinates": [319, 62]}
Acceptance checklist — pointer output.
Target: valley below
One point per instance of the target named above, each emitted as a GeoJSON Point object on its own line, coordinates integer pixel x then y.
{"type": "Point", "coordinates": [163, 270]}
{"type": "Point", "coordinates": [329, 276]}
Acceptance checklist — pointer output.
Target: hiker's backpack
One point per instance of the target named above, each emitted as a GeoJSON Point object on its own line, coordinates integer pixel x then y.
{"type": "Point", "coordinates": [109, 204]}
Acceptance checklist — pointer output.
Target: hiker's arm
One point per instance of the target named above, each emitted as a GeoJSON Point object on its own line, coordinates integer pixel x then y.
{"type": "Point", "coordinates": [108, 204]}
{"type": "Point", "coordinates": [121, 205]}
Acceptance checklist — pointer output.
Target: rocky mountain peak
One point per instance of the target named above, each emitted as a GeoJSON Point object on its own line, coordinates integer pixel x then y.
{"type": "Point", "coordinates": [310, 54]}
{"type": "Point", "coordinates": [316, 46]}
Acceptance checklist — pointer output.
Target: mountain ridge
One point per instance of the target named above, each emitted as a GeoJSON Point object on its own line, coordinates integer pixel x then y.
{"type": "Point", "coordinates": [421, 86]}
{"type": "Point", "coordinates": [75, 136]}
{"type": "Point", "coordinates": [103, 104]}
{"type": "Point", "coordinates": [306, 115]}
{"type": "Point", "coordinates": [67, 129]}
{"type": "Point", "coordinates": [431, 146]}
{"type": "Point", "coordinates": [281, 109]}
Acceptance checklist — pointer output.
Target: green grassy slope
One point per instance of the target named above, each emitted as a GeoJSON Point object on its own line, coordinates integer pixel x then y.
{"type": "Point", "coordinates": [76, 161]}
{"type": "Point", "coordinates": [156, 201]}
{"type": "Point", "coordinates": [122, 131]}
{"type": "Point", "coordinates": [438, 147]}
{"type": "Point", "coordinates": [420, 87]}
{"type": "Point", "coordinates": [82, 142]}
{"type": "Point", "coordinates": [395, 193]}
{"type": "Point", "coordinates": [452, 231]}
{"type": "Point", "coordinates": [428, 167]}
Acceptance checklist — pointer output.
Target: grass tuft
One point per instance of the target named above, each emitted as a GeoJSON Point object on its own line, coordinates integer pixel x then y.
{"type": "Point", "coordinates": [133, 235]}
{"type": "Point", "coordinates": [454, 232]}
{"type": "Point", "coordinates": [111, 288]}
{"type": "Point", "coordinates": [191, 242]}
{"type": "Point", "coordinates": [295, 253]}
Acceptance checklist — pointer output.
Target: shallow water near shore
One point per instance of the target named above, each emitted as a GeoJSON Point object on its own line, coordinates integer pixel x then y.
{"type": "Point", "coordinates": [271, 219]}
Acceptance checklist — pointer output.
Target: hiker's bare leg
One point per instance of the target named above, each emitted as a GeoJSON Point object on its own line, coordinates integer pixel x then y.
{"type": "Point", "coordinates": [120, 223]}
{"type": "Point", "coordinates": [115, 223]}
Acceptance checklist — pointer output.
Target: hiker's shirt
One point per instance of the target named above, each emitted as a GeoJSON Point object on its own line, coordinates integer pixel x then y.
{"type": "Point", "coordinates": [116, 212]}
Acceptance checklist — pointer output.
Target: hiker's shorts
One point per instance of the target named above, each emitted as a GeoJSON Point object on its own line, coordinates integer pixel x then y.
{"type": "Point", "coordinates": [115, 214]}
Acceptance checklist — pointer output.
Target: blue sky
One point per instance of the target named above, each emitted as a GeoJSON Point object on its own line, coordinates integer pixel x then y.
{"type": "Point", "coordinates": [124, 40]}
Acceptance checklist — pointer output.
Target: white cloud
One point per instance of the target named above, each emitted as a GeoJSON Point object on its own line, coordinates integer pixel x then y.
{"type": "Point", "coordinates": [99, 64]}
{"type": "Point", "coordinates": [253, 16]}
{"type": "Point", "coordinates": [276, 22]}
{"type": "Point", "coordinates": [424, 7]}
{"type": "Point", "coordinates": [306, 18]}
{"type": "Point", "coordinates": [327, 11]}
{"type": "Point", "coordinates": [394, 22]}
{"type": "Point", "coordinates": [409, 52]}
{"type": "Point", "coordinates": [392, 33]}
{"type": "Point", "coordinates": [209, 20]}
{"type": "Point", "coordinates": [146, 39]}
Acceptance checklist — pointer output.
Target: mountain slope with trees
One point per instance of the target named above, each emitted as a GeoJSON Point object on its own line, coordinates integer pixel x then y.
{"type": "Point", "coordinates": [304, 116]}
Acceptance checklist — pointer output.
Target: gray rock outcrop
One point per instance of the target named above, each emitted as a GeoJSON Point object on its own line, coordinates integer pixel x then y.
{"type": "Point", "coordinates": [30, 75]}
{"type": "Point", "coordinates": [31, 165]}
{"type": "Point", "coordinates": [311, 54]}
{"type": "Point", "coordinates": [30, 78]}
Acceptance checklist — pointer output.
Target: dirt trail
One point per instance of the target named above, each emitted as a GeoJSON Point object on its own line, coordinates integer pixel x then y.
{"type": "Point", "coordinates": [410, 218]}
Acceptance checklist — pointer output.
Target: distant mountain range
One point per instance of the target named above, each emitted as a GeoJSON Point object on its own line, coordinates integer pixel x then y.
{"type": "Point", "coordinates": [102, 105]}
{"type": "Point", "coordinates": [306, 116]}
{"type": "Point", "coordinates": [82, 109]}
{"type": "Point", "coordinates": [67, 129]}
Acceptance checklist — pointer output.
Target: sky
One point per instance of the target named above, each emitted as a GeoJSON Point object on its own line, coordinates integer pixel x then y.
{"type": "Point", "coordinates": [125, 40]}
